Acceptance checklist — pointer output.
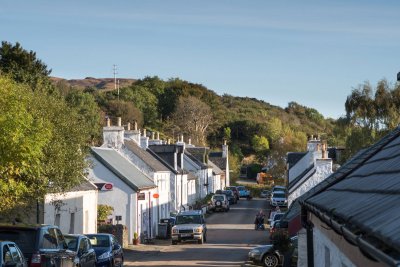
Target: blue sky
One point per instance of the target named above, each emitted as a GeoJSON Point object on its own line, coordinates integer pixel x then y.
{"type": "Point", "coordinates": [311, 52]}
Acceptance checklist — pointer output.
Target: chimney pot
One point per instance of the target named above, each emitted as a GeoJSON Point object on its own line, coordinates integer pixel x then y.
{"type": "Point", "coordinates": [135, 126]}
{"type": "Point", "coordinates": [190, 141]}
{"type": "Point", "coordinates": [144, 132]}
{"type": "Point", "coordinates": [152, 135]}
{"type": "Point", "coordinates": [129, 126]}
{"type": "Point", "coordinates": [224, 142]}
{"type": "Point", "coordinates": [168, 141]}
{"type": "Point", "coordinates": [158, 135]}
{"type": "Point", "coordinates": [119, 121]}
{"type": "Point", "coordinates": [108, 122]}
{"type": "Point", "coordinates": [182, 138]}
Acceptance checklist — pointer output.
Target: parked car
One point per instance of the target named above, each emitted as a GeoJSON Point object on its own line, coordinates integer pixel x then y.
{"type": "Point", "coordinates": [278, 198]}
{"type": "Point", "coordinates": [231, 197]}
{"type": "Point", "coordinates": [280, 228]}
{"type": "Point", "coordinates": [274, 217]}
{"type": "Point", "coordinates": [278, 188]}
{"type": "Point", "coordinates": [11, 255]}
{"type": "Point", "coordinates": [243, 192]}
{"type": "Point", "coordinates": [271, 256]}
{"type": "Point", "coordinates": [42, 245]}
{"type": "Point", "coordinates": [265, 193]}
{"type": "Point", "coordinates": [219, 202]}
{"type": "Point", "coordinates": [108, 251]}
{"type": "Point", "coordinates": [234, 190]}
{"type": "Point", "coordinates": [85, 254]}
{"type": "Point", "coordinates": [189, 226]}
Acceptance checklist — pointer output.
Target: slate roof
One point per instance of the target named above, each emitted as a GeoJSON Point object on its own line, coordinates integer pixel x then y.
{"type": "Point", "coordinates": [145, 156]}
{"type": "Point", "coordinates": [196, 160]}
{"type": "Point", "coordinates": [361, 199]}
{"type": "Point", "coordinates": [215, 168]}
{"type": "Point", "coordinates": [199, 153]}
{"type": "Point", "coordinates": [84, 186]}
{"type": "Point", "coordinates": [123, 168]}
{"type": "Point", "coordinates": [294, 157]}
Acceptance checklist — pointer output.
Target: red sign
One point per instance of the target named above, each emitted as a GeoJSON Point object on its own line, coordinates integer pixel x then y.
{"type": "Point", "coordinates": [108, 186]}
{"type": "Point", "coordinates": [155, 195]}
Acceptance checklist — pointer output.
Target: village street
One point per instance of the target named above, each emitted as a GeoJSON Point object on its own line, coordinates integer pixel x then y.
{"type": "Point", "coordinates": [230, 237]}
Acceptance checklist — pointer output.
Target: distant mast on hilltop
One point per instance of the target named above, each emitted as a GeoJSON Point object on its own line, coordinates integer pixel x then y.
{"type": "Point", "coordinates": [115, 79]}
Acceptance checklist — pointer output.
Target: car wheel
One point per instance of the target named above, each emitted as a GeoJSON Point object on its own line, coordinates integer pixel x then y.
{"type": "Point", "coordinates": [270, 260]}
{"type": "Point", "coordinates": [205, 238]}
{"type": "Point", "coordinates": [174, 242]}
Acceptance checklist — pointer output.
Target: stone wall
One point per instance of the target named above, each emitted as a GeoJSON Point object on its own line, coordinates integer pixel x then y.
{"type": "Point", "coordinates": [119, 231]}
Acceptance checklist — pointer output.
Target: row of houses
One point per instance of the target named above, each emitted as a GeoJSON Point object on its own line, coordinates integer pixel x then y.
{"type": "Point", "coordinates": [349, 216]}
{"type": "Point", "coordinates": [144, 179]}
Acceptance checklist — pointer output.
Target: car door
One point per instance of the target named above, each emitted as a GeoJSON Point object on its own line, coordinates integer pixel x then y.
{"type": "Point", "coordinates": [87, 254]}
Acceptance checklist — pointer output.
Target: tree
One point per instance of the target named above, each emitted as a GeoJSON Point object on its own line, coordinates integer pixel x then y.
{"type": "Point", "coordinates": [261, 147]}
{"type": "Point", "coordinates": [23, 66]}
{"type": "Point", "coordinates": [88, 110]}
{"type": "Point", "coordinates": [193, 118]}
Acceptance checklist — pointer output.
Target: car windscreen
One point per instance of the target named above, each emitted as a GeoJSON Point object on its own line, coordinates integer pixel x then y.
{"type": "Point", "coordinates": [228, 193]}
{"type": "Point", "coordinates": [241, 188]}
{"type": "Point", "coordinates": [188, 219]}
{"type": "Point", "coordinates": [97, 241]}
{"type": "Point", "coordinates": [278, 216]}
{"type": "Point", "coordinates": [220, 198]}
{"type": "Point", "coordinates": [279, 195]}
{"type": "Point", "coordinates": [72, 242]}
{"type": "Point", "coordinates": [24, 238]}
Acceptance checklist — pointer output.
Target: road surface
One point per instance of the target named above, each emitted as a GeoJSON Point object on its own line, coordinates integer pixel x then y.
{"type": "Point", "coordinates": [230, 236]}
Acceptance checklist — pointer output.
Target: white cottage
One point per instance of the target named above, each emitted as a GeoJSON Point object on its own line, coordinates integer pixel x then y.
{"type": "Point", "coordinates": [132, 194]}
{"type": "Point", "coordinates": [75, 211]}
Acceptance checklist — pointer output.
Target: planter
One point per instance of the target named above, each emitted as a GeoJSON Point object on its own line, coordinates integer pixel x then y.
{"type": "Point", "coordinates": [135, 241]}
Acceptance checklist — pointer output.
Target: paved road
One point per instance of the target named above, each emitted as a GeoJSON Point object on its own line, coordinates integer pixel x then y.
{"type": "Point", "coordinates": [230, 237]}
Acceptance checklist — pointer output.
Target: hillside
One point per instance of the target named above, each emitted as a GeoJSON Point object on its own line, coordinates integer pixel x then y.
{"type": "Point", "coordinates": [99, 83]}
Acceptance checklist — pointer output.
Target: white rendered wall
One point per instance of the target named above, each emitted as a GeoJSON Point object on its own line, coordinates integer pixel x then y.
{"type": "Point", "coordinates": [83, 204]}
{"type": "Point", "coordinates": [321, 245]}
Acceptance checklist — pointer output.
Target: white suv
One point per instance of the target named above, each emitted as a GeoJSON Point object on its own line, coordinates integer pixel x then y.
{"type": "Point", "coordinates": [189, 225]}
{"type": "Point", "coordinates": [219, 202]}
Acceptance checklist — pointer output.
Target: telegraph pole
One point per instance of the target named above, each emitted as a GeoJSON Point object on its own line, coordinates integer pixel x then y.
{"type": "Point", "coordinates": [115, 76]}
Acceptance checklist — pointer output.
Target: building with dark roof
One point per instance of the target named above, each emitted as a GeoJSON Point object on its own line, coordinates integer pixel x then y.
{"type": "Point", "coordinates": [352, 217]}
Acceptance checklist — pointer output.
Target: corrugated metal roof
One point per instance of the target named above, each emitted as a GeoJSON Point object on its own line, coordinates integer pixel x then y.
{"type": "Point", "coordinates": [364, 194]}
{"type": "Point", "coordinates": [145, 156]}
{"type": "Point", "coordinates": [123, 168]}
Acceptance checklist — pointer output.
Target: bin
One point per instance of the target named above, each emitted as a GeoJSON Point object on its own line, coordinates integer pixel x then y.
{"type": "Point", "coordinates": [168, 223]}
{"type": "Point", "coordinates": [163, 230]}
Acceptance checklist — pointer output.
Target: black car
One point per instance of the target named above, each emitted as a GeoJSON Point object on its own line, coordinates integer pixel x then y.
{"type": "Point", "coordinates": [108, 251]}
{"type": "Point", "coordinates": [11, 255]}
{"type": "Point", "coordinates": [85, 254]}
{"type": "Point", "coordinates": [231, 197]}
{"type": "Point", "coordinates": [42, 245]}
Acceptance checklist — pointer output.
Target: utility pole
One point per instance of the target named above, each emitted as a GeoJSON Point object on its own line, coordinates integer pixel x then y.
{"type": "Point", "coordinates": [115, 76]}
{"type": "Point", "coordinates": [118, 90]}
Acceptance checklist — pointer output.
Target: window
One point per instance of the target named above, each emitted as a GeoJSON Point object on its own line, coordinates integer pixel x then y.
{"type": "Point", "coordinates": [72, 224]}
{"type": "Point", "coordinates": [327, 257]}
{"type": "Point", "coordinates": [57, 220]}
{"type": "Point", "coordinates": [49, 239]}
{"type": "Point", "coordinates": [6, 254]}
{"type": "Point", "coordinates": [15, 254]}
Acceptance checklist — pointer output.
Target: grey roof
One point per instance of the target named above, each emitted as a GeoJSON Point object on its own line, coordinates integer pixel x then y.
{"type": "Point", "coordinates": [294, 157]}
{"type": "Point", "coordinates": [191, 176]}
{"type": "Point", "coordinates": [145, 156]}
{"type": "Point", "coordinates": [361, 200]}
{"type": "Point", "coordinates": [162, 161]}
{"type": "Point", "coordinates": [219, 161]}
{"type": "Point", "coordinates": [200, 153]}
{"type": "Point", "coordinates": [123, 168]}
{"type": "Point", "coordinates": [196, 160]}
{"type": "Point", "coordinates": [216, 169]}
{"type": "Point", "coordinates": [84, 186]}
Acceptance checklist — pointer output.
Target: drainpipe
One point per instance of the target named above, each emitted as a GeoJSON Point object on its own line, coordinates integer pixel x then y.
{"type": "Point", "coordinates": [150, 211]}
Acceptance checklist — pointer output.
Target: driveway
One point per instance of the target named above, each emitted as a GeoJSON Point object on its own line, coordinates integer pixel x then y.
{"type": "Point", "coordinates": [230, 237]}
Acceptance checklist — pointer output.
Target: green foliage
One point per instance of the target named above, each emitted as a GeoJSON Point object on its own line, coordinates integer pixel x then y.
{"type": "Point", "coordinates": [23, 66]}
{"type": "Point", "coordinates": [103, 211]}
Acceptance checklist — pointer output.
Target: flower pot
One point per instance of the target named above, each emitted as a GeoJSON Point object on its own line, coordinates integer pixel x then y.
{"type": "Point", "coordinates": [135, 241]}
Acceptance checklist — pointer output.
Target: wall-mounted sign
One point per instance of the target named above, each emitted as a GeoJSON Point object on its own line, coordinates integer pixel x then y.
{"type": "Point", "coordinates": [118, 218]}
{"type": "Point", "coordinates": [141, 196]}
{"type": "Point", "coordinates": [105, 186]}
{"type": "Point", "coordinates": [155, 195]}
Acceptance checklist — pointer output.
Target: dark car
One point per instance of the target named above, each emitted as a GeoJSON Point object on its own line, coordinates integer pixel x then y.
{"type": "Point", "coordinates": [11, 255]}
{"type": "Point", "coordinates": [231, 197]}
{"type": "Point", "coordinates": [85, 254]}
{"type": "Point", "coordinates": [271, 256]}
{"type": "Point", "coordinates": [108, 251]}
{"type": "Point", "coordinates": [42, 245]}
{"type": "Point", "coordinates": [234, 190]}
